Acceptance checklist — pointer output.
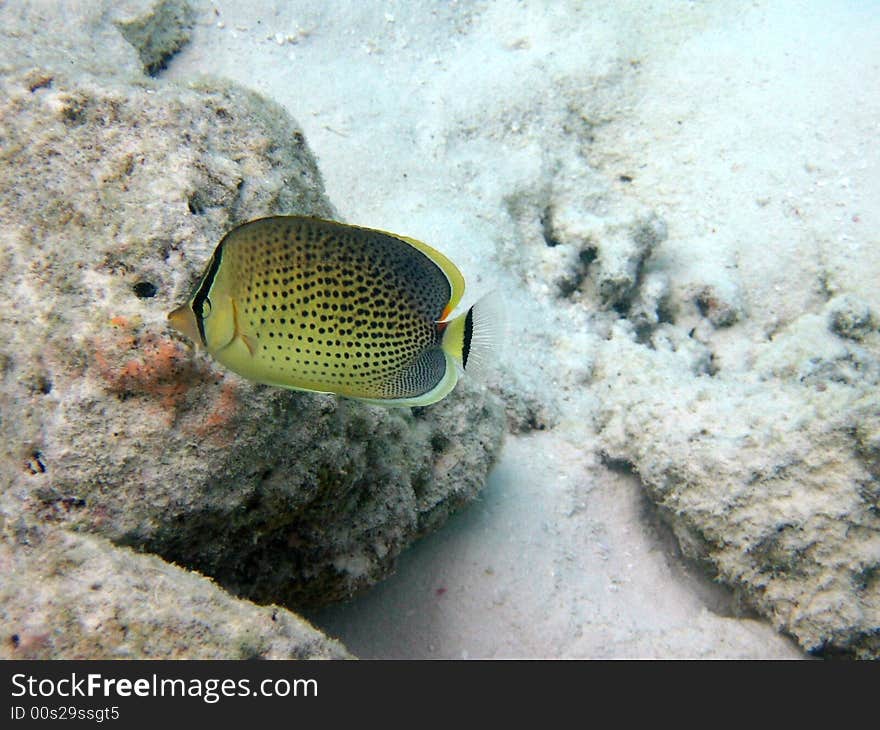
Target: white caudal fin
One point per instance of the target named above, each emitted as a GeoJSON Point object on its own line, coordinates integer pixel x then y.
{"type": "Point", "coordinates": [488, 325]}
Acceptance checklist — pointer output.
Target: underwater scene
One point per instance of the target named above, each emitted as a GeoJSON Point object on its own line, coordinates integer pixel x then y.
{"type": "Point", "coordinates": [421, 329]}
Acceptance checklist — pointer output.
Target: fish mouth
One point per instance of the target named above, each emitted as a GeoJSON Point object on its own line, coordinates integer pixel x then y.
{"type": "Point", "coordinates": [183, 319]}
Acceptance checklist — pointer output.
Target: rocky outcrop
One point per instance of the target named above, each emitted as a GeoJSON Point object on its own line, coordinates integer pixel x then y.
{"type": "Point", "coordinates": [769, 478]}
{"type": "Point", "coordinates": [68, 596]}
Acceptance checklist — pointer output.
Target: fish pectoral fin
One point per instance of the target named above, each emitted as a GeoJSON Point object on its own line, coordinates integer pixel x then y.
{"type": "Point", "coordinates": [251, 345]}
{"type": "Point", "coordinates": [248, 341]}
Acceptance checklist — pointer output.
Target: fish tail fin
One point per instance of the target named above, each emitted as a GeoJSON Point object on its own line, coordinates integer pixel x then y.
{"type": "Point", "coordinates": [474, 339]}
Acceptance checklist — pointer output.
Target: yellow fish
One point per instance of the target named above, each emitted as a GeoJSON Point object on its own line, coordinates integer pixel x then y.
{"type": "Point", "coordinates": [316, 305]}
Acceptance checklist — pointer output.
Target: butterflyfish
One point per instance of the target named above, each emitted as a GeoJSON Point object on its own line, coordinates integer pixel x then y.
{"type": "Point", "coordinates": [322, 306]}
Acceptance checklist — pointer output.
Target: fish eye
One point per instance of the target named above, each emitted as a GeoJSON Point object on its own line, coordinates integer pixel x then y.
{"type": "Point", "coordinates": [206, 308]}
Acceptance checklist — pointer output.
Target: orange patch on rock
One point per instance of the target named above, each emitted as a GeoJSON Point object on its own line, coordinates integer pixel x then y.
{"type": "Point", "coordinates": [150, 366]}
{"type": "Point", "coordinates": [221, 413]}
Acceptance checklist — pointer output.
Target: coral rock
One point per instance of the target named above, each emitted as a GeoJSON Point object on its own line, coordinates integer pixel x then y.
{"type": "Point", "coordinates": [771, 481]}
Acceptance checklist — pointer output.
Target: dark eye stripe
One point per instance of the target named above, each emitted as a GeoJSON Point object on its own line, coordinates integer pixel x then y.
{"type": "Point", "coordinates": [201, 294]}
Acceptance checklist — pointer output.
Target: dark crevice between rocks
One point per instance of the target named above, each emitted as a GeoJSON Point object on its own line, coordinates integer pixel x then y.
{"type": "Point", "coordinates": [257, 575]}
{"type": "Point", "coordinates": [698, 574]}
{"type": "Point", "coordinates": [270, 551]}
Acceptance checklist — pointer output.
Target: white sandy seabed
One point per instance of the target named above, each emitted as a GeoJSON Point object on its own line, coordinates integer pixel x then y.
{"type": "Point", "coordinates": [747, 127]}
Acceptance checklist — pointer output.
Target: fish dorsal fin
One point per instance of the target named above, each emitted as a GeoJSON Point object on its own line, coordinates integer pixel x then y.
{"type": "Point", "coordinates": [456, 280]}
{"type": "Point", "coordinates": [449, 269]}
